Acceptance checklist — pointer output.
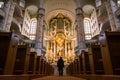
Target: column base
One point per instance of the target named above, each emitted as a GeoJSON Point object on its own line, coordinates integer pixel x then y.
{"type": "Point", "coordinates": [82, 45]}
{"type": "Point", "coordinates": [39, 52]}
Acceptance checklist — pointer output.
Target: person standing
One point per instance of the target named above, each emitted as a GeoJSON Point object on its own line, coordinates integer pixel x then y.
{"type": "Point", "coordinates": [60, 65]}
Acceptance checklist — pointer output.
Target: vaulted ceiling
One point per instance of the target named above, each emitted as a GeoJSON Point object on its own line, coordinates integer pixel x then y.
{"type": "Point", "coordinates": [67, 7]}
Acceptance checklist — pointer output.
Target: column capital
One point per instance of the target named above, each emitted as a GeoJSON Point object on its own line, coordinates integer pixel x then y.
{"type": "Point", "coordinates": [41, 11]}
{"type": "Point", "coordinates": [79, 11]}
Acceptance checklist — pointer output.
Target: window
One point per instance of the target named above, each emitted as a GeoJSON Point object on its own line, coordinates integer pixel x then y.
{"type": "Point", "coordinates": [87, 29]}
{"type": "Point", "coordinates": [33, 29]}
{"type": "Point", "coordinates": [87, 26]}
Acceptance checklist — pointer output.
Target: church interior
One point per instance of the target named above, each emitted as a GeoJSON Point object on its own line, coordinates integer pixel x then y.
{"type": "Point", "coordinates": [34, 34]}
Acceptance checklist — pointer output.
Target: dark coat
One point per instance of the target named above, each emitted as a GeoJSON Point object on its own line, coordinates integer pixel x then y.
{"type": "Point", "coordinates": [60, 63]}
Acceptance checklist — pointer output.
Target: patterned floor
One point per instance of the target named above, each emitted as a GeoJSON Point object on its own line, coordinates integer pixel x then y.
{"type": "Point", "coordinates": [59, 78]}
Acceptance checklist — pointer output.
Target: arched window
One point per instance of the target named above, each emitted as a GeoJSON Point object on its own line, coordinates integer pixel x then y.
{"type": "Point", "coordinates": [33, 29]}
{"type": "Point", "coordinates": [87, 29]}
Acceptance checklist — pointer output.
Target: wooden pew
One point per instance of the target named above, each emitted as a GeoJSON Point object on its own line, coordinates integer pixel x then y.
{"type": "Point", "coordinates": [32, 63]}
{"type": "Point", "coordinates": [80, 64]}
{"type": "Point", "coordinates": [22, 60]}
{"type": "Point", "coordinates": [8, 48]}
{"type": "Point", "coordinates": [38, 65]}
{"type": "Point", "coordinates": [50, 70]}
{"type": "Point", "coordinates": [85, 62]}
{"type": "Point", "coordinates": [77, 67]}
{"type": "Point", "coordinates": [71, 68]}
{"type": "Point", "coordinates": [74, 68]}
{"type": "Point", "coordinates": [110, 48]}
{"type": "Point", "coordinates": [95, 57]}
{"type": "Point", "coordinates": [42, 66]}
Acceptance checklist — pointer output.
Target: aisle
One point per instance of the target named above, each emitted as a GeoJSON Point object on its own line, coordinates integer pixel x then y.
{"type": "Point", "coordinates": [59, 78]}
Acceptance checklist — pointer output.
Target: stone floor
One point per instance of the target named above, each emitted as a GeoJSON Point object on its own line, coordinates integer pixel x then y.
{"type": "Point", "coordinates": [59, 78]}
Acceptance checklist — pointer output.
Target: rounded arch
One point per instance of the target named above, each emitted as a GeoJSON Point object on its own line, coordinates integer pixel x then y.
{"type": "Point", "coordinates": [52, 5]}
{"type": "Point", "coordinates": [33, 19]}
{"type": "Point", "coordinates": [54, 13]}
{"type": "Point", "coordinates": [33, 26]}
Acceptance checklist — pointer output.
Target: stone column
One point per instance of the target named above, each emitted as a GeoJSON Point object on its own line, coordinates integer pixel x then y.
{"type": "Point", "coordinates": [80, 29]}
{"type": "Point", "coordinates": [9, 10]}
{"type": "Point", "coordinates": [110, 15]}
{"type": "Point", "coordinates": [39, 31]}
{"type": "Point", "coordinates": [114, 7]}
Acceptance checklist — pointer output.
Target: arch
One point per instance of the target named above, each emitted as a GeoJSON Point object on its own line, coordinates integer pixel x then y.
{"type": "Point", "coordinates": [87, 28]}
{"type": "Point", "coordinates": [33, 27]}
{"type": "Point", "coordinates": [54, 13]}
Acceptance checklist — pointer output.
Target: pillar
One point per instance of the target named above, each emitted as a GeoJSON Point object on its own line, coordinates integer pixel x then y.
{"type": "Point", "coordinates": [110, 7]}
{"type": "Point", "coordinates": [39, 31]}
{"type": "Point", "coordinates": [80, 29]}
{"type": "Point", "coordinates": [114, 8]}
{"type": "Point", "coordinates": [9, 10]}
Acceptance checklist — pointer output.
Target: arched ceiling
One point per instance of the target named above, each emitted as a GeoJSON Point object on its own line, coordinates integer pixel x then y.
{"type": "Point", "coordinates": [66, 7]}
{"type": "Point", "coordinates": [62, 5]}
{"type": "Point", "coordinates": [54, 13]}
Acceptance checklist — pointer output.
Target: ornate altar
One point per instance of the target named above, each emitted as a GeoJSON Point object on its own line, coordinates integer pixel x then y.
{"type": "Point", "coordinates": [60, 40]}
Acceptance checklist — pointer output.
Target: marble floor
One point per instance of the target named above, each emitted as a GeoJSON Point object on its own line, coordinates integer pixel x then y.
{"type": "Point", "coordinates": [59, 78]}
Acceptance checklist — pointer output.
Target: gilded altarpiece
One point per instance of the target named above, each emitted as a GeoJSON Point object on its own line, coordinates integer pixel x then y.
{"type": "Point", "coordinates": [60, 39]}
